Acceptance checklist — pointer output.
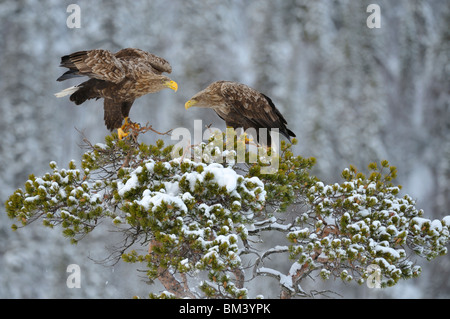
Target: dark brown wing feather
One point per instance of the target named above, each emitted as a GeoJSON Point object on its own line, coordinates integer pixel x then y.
{"type": "Point", "coordinates": [284, 130]}
{"type": "Point", "coordinates": [158, 65]}
{"type": "Point", "coordinates": [97, 64]}
{"type": "Point", "coordinates": [88, 90]}
{"type": "Point", "coordinates": [115, 112]}
{"type": "Point", "coordinates": [250, 108]}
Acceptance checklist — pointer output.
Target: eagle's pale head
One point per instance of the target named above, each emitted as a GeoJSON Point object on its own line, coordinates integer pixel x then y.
{"type": "Point", "coordinates": [168, 83]}
{"type": "Point", "coordinates": [209, 97]}
{"type": "Point", "coordinates": [158, 83]}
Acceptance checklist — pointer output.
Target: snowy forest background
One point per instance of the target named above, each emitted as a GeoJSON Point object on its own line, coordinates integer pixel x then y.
{"type": "Point", "coordinates": [353, 95]}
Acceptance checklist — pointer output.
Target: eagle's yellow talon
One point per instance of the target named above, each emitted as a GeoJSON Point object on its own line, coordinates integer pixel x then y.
{"type": "Point", "coordinates": [121, 134]}
{"type": "Point", "coordinates": [127, 123]}
{"type": "Point", "coordinates": [247, 138]}
{"type": "Point", "coordinates": [123, 130]}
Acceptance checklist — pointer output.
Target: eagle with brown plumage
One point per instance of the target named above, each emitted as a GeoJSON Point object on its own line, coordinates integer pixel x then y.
{"type": "Point", "coordinates": [241, 106]}
{"type": "Point", "coordinates": [119, 78]}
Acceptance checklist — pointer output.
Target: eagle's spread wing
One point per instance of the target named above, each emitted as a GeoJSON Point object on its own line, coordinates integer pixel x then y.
{"type": "Point", "coordinates": [158, 65]}
{"type": "Point", "coordinates": [97, 64]}
{"type": "Point", "coordinates": [253, 108]}
{"type": "Point", "coordinates": [115, 112]}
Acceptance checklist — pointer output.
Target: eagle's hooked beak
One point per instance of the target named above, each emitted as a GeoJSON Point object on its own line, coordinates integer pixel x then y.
{"type": "Point", "coordinates": [171, 85]}
{"type": "Point", "coordinates": [190, 103]}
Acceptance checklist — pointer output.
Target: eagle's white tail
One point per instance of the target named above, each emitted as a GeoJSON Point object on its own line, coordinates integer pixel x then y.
{"type": "Point", "coordinates": [67, 91]}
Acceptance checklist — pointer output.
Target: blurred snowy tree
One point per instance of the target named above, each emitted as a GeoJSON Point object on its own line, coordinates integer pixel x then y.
{"type": "Point", "coordinates": [198, 218]}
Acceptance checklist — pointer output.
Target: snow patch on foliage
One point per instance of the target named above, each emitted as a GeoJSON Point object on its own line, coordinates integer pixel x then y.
{"type": "Point", "coordinates": [156, 199]}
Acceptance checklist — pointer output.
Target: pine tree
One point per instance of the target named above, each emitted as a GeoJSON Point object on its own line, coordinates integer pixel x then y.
{"type": "Point", "coordinates": [198, 226]}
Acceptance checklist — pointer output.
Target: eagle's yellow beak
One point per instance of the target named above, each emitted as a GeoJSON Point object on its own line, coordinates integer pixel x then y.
{"type": "Point", "coordinates": [172, 85]}
{"type": "Point", "coordinates": [190, 103]}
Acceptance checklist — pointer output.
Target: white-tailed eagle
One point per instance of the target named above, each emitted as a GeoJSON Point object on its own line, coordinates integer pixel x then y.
{"type": "Point", "coordinates": [119, 78]}
{"type": "Point", "coordinates": [240, 106]}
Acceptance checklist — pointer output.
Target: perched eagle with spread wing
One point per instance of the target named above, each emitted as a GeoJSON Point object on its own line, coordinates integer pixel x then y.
{"type": "Point", "coordinates": [119, 78]}
{"type": "Point", "coordinates": [240, 106]}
